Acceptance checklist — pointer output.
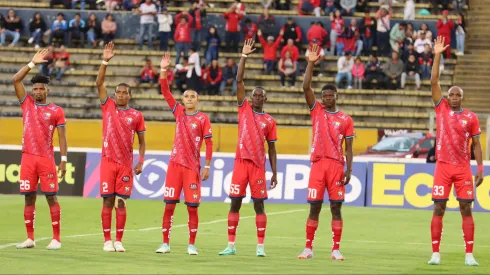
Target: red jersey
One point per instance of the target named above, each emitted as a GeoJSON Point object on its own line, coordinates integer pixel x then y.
{"type": "Point", "coordinates": [253, 129]}
{"type": "Point", "coordinates": [329, 131]}
{"type": "Point", "coordinates": [454, 133]}
{"type": "Point", "coordinates": [40, 121]}
{"type": "Point", "coordinates": [118, 128]}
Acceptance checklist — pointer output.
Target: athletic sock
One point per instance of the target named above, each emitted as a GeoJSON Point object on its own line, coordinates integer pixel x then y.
{"type": "Point", "coordinates": [55, 212]}
{"type": "Point", "coordinates": [192, 224]}
{"type": "Point", "coordinates": [311, 227]}
{"type": "Point", "coordinates": [106, 216]}
{"type": "Point", "coordinates": [468, 233]}
{"type": "Point", "coordinates": [120, 223]}
{"type": "Point", "coordinates": [29, 219]}
{"type": "Point", "coordinates": [436, 232]}
{"type": "Point", "coordinates": [168, 219]}
{"type": "Point", "coordinates": [261, 224]}
{"type": "Point", "coordinates": [336, 234]}
{"type": "Point", "coordinates": [233, 219]}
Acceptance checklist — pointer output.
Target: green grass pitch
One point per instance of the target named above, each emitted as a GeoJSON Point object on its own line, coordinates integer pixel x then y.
{"type": "Point", "coordinates": [375, 240]}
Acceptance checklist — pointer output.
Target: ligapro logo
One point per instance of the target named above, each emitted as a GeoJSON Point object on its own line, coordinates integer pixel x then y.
{"type": "Point", "coordinates": [150, 182]}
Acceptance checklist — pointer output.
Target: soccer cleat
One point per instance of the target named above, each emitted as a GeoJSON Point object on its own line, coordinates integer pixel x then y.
{"type": "Point", "coordinates": [306, 254]}
{"type": "Point", "coordinates": [109, 247]}
{"type": "Point", "coordinates": [470, 260]}
{"type": "Point", "coordinates": [54, 245]}
{"type": "Point", "coordinates": [230, 250]}
{"type": "Point", "coordinates": [164, 248]}
{"type": "Point", "coordinates": [119, 247]}
{"type": "Point", "coordinates": [192, 250]}
{"type": "Point", "coordinates": [260, 250]}
{"type": "Point", "coordinates": [337, 256]}
{"type": "Point", "coordinates": [27, 244]}
{"type": "Point", "coordinates": [436, 259]}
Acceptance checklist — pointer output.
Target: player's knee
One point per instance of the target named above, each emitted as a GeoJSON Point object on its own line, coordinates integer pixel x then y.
{"type": "Point", "coordinates": [439, 208]}
{"type": "Point", "coordinates": [465, 208]}
{"type": "Point", "coordinates": [52, 200]}
{"type": "Point", "coordinates": [121, 202]}
{"type": "Point", "coordinates": [109, 202]}
{"type": "Point", "coordinates": [30, 199]}
{"type": "Point", "coordinates": [259, 207]}
{"type": "Point", "coordinates": [235, 206]}
{"type": "Point", "coordinates": [315, 210]}
{"type": "Point", "coordinates": [335, 210]}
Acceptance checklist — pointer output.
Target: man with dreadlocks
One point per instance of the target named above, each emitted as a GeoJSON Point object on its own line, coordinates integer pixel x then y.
{"type": "Point", "coordinates": [254, 127]}
{"type": "Point", "coordinates": [40, 119]}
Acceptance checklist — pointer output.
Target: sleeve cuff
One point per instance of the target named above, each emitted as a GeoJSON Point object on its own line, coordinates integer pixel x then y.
{"type": "Point", "coordinates": [208, 136]}
{"type": "Point", "coordinates": [141, 132]}
{"type": "Point", "coordinates": [105, 101]}
{"type": "Point", "coordinates": [313, 107]}
{"type": "Point", "coordinates": [273, 140]}
{"type": "Point", "coordinates": [22, 101]}
{"type": "Point", "coordinates": [175, 107]}
{"type": "Point", "coordinates": [347, 137]}
{"type": "Point", "coordinates": [243, 101]}
{"type": "Point", "coordinates": [60, 125]}
{"type": "Point", "coordinates": [477, 135]}
{"type": "Point", "coordinates": [439, 102]}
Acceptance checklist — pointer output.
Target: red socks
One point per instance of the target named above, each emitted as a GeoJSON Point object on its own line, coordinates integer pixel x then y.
{"type": "Point", "coordinates": [106, 216]}
{"type": "Point", "coordinates": [336, 234]}
{"type": "Point", "coordinates": [55, 220]}
{"type": "Point", "coordinates": [192, 223]}
{"type": "Point", "coordinates": [29, 217]}
{"type": "Point", "coordinates": [311, 226]}
{"type": "Point", "coordinates": [120, 223]}
{"type": "Point", "coordinates": [168, 219]}
{"type": "Point", "coordinates": [436, 232]}
{"type": "Point", "coordinates": [233, 219]}
{"type": "Point", "coordinates": [468, 233]}
{"type": "Point", "coordinates": [261, 224]}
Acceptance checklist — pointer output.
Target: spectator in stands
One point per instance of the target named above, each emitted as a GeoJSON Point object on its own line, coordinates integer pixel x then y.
{"type": "Point", "coordinates": [266, 3]}
{"type": "Point", "coordinates": [250, 29]}
{"type": "Point", "coordinates": [59, 29]}
{"type": "Point", "coordinates": [383, 30]}
{"type": "Point", "coordinates": [129, 5]}
{"type": "Point", "coordinates": [283, 4]}
{"type": "Point", "coordinates": [61, 62]}
{"type": "Point", "coordinates": [196, 25]}
{"type": "Point", "coordinates": [460, 34]}
{"type": "Point", "coordinates": [111, 5]}
{"type": "Point", "coordinates": [165, 22]}
{"type": "Point", "coordinates": [182, 34]}
{"type": "Point", "coordinates": [397, 36]}
{"type": "Point", "coordinates": [409, 35]}
{"type": "Point", "coordinates": [94, 30]}
{"type": "Point", "coordinates": [232, 28]}
{"type": "Point", "coordinates": [194, 71]}
{"type": "Point", "coordinates": [410, 50]}
{"type": "Point", "coordinates": [320, 61]}
{"type": "Point", "coordinates": [229, 77]}
{"type": "Point", "coordinates": [267, 24]}
{"type": "Point", "coordinates": [362, 6]}
{"type": "Point", "coordinates": [421, 42]}
{"type": "Point", "coordinates": [348, 7]}
{"type": "Point", "coordinates": [337, 30]}
{"type": "Point", "coordinates": [287, 68]}
{"type": "Point", "coordinates": [409, 10]}
{"type": "Point", "coordinates": [368, 32]}
{"type": "Point", "coordinates": [445, 27]}
{"type": "Point", "coordinates": [270, 50]}
{"type": "Point", "coordinates": [329, 8]}
{"type": "Point", "coordinates": [424, 28]}
{"type": "Point", "coordinates": [148, 74]}
{"type": "Point", "coordinates": [358, 73]}
{"type": "Point", "coordinates": [181, 74]}
{"type": "Point", "coordinates": [46, 68]}
{"type": "Point", "coordinates": [344, 70]}
{"type": "Point", "coordinates": [109, 28]}
{"type": "Point", "coordinates": [425, 60]}
{"type": "Point", "coordinates": [291, 31]}
{"type": "Point", "coordinates": [352, 39]}
{"type": "Point", "coordinates": [458, 6]}
{"type": "Point", "coordinates": [13, 27]}
{"type": "Point", "coordinates": [213, 42]}
{"type": "Point", "coordinates": [309, 7]}
{"type": "Point", "coordinates": [317, 33]}
{"type": "Point", "coordinates": [147, 10]}
{"type": "Point", "coordinates": [412, 71]}
{"type": "Point", "coordinates": [214, 77]}
{"type": "Point", "coordinates": [37, 27]}
{"type": "Point", "coordinates": [374, 72]}
{"type": "Point", "coordinates": [75, 2]}
{"type": "Point", "coordinates": [292, 50]}
{"type": "Point", "coordinates": [76, 30]}
{"type": "Point", "coordinates": [65, 3]}
{"type": "Point", "coordinates": [393, 70]}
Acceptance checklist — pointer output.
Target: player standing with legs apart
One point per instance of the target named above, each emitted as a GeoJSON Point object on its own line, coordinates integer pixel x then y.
{"type": "Point", "coordinates": [191, 129]}
{"type": "Point", "coordinates": [455, 128]}
{"type": "Point", "coordinates": [330, 128]}
{"type": "Point", "coordinates": [40, 119]}
{"type": "Point", "coordinates": [119, 123]}
{"type": "Point", "coordinates": [254, 127]}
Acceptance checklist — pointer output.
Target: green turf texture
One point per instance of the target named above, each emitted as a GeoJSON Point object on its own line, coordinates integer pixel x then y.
{"type": "Point", "coordinates": [374, 240]}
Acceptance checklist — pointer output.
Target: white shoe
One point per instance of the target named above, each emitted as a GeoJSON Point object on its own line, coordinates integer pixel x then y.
{"type": "Point", "coordinates": [27, 244]}
{"type": "Point", "coordinates": [470, 260]}
{"type": "Point", "coordinates": [37, 47]}
{"type": "Point", "coordinates": [436, 259]}
{"type": "Point", "coordinates": [31, 40]}
{"type": "Point", "coordinates": [192, 250]}
{"type": "Point", "coordinates": [54, 245]}
{"type": "Point", "coordinates": [164, 248]}
{"type": "Point", "coordinates": [109, 247]}
{"type": "Point", "coordinates": [337, 256]}
{"type": "Point", "coordinates": [119, 247]}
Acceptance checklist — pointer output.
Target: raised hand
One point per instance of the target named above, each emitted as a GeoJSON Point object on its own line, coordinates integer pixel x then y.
{"type": "Point", "coordinates": [439, 45]}
{"type": "Point", "coordinates": [109, 51]}
{"type": "Point", "coordinates": [248, 47]}
{"type": "Point", "coordinates": [165, 63]}
{"type": "Point", "coordinates": [39, 56]}
{"type": "Point", "coordinates": [314, 54]}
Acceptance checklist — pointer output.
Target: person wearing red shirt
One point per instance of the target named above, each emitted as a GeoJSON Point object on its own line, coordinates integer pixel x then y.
{"type": "Point", "coordinates": [270, 50]}
{"type": "Point", "coordinates": [232, 28]}
{"type": "Point", "coordinates": [182, 35]}
{"type": "Point", "coordinates": [147, 73]}
{"type": "Point", "coordinates": [293, 51]}
{"type": "Point", "coordinates": [352, 39]}
{"type": "Point", "coordinates": [250, 29]}
{"type": "Point", "coordinates": [337, 30]}
{"type": "Point", "coordinates": [61, 62]}
{"type": "Point", "coordinates": [316, 32]}
{"type": "Point", "coordinates": [444, 29]}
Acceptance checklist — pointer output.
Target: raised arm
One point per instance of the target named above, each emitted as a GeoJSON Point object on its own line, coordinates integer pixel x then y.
{"type": "Point", "coordinates": [439, 48]}
{"type": "Point", "coordinates": [20, 90]}
{"type": "Point", "coordinates": [313, 57]}
{"type": "Point", "coordinates": [247, 49]}
{"type": "Point", "coordinates": [108, 54]}
{"type": "Point", "coordinates": [164, 65]}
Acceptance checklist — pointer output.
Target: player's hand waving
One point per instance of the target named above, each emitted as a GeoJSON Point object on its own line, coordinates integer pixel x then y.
{"type": "Point", "coordinates": [273, 181]}
{"type": "Point", "coordinates": [205, 174]}
{"type": "Point", "coordinates": [479, 178]}
{"type": "Point", "coordinates": [347, 175]}
{"type": "Point", "coordinates": [109, 51]}
{"type": "Point", "coordinates": [138, 168]}
{"type": "Point", "coordinates": [248, 47]}
{"type": "Point", "coordinates": [439, 45]}
{"type": "Point", "coordinates": [39, 56]}
{"type": "Point", "coordinates": [165, 63]}
{"type": "Point", "coordinates": [62, 169]}
{"type": "Point", "coordinates": [314, 54]}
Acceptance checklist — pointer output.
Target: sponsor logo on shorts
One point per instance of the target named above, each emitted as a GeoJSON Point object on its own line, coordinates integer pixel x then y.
{"type": "Point", "coordinates": [193, 186]}
{"type": "Point", "coordinates": [125, 178]}
{"type": "Point", "coordinates": [50, 176]}
{"type": "Point", "coordinates": [260, 181]}
{"type": "Point", "coordinates": [338, 183]}
{"type": "Point", "coordinates": [51, 186]}
{"type": "Point", "coordinates": [469, 193]}
{"type": "Point", "coordinates": [341, 194]}
{"type": "Point", "coordinates": [468, 182]}
{"type": "Point", "coordinates": [126, 188]}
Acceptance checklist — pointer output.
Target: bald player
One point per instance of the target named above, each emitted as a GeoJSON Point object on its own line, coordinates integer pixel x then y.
{"type": "Point", "coordinates": [184, 171]}
{"type": "Point", "coordinates": [456, 127]}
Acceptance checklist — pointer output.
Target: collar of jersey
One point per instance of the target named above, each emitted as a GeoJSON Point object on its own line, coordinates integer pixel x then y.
{"type": "Point", "coordinates": [45, 104]}
{"type": "Point", "coordinates": [259, 113]}
{"type": "Point", "coordinates": [336, 111]}
{"type": "Point", "coordinates": [123, 109]}
{"type": "Point", "coordinates": [460, 111]}
{"type": "Point", "coordinates": [193, 114]}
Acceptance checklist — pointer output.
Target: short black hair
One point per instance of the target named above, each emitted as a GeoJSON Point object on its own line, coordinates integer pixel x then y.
{"type": "Point", "coordinates": [78, 14]}
{"type": "Point", "coordinates": [193, 48]}
{"type": "Point", "coordinates": [403, 24]}
{"type": "Point", "coordinates": [347, 53]}
{"type": "Point", "coordinates": [124, 85]}
{"type": "Point", "coordinates": [248, 21]}
{"type": "Point", "coordinates": [330, 87]}
{"type": "Point", "coordinates": [40, 79]}
{"type": "Point", "coordinates": [60, 13]}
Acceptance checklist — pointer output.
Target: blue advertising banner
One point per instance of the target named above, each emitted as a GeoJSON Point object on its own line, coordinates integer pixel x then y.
{"type": "Point", "coordinates": [292, 176]}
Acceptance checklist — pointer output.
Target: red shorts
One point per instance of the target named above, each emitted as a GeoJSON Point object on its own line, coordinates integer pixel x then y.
{"type": "Point", "coordinates": [34, 169]}
{"type": "Point", "coordinates": [115, 179]}
{"type": "Point", "coordinates": [326, 173]}
{"type": "Point", "coordinates": [178, 178]}
{"type": "Point", "coordinates": [445, 175]}
{"type": "Point", "coordinates": [245, 172]}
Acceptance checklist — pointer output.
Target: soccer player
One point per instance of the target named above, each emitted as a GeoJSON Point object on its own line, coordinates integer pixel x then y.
{"type": "Point", "coordinates": [331, 128]}
{"type": "Point", "coordinates": [456, 127]}
{"type": "Point", "coordinates": [191, 129]}
{"type": "Point", "coordinates": [254, 127]}
{"type": "Point", "coordinates": [40, 119]}
{"type": "Point", "coordinates": [119, 124]}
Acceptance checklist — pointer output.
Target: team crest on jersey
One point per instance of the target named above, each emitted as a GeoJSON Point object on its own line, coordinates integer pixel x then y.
{"type": "Point", "coordinates": [340, 193]}
{"type": "Point", "coordinates": [47, 115]}
{"type": "Point", "coordinates": [193, 186]}
{"type": "Point", "coordinates": [263, 125]}
{"type": "Point", "coordinates": [194, 125]}
{"type": "Point", "coordinates": [129, 120]}
{"type": "Point", "coordinates": [51, 186]}
{"type": "Point", "coordinates": [194, 196]}
{"type": "Point", "coordinates": [469, 193]}
{"type": "Point", "coordinates": [125, 178]}
{"type": "Point", "coordinates": [337, 124]}
{"type": "Point", "coordinates": [464, 122]}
